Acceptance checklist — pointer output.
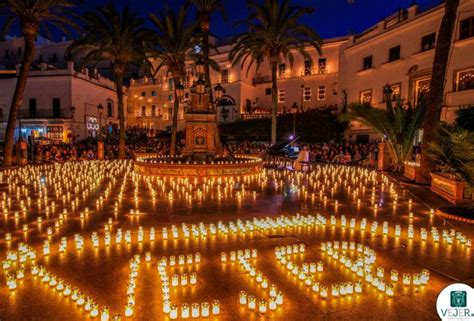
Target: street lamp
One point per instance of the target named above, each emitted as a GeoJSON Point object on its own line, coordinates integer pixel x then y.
{"type": "Point", "coordinates": [200, 67]}
{"type": "Point", "coordinates": [219, 90]}
{"type": "Point", "coordinates": [100, 111]}
{"type": "Point", "coordinates": [302, 97]}
{"type": "Point", "coordinates": [294, 109]}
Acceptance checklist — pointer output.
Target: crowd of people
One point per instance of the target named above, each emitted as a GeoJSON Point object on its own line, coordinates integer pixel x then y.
{"type": "Point", "coordinates": [341, 153]}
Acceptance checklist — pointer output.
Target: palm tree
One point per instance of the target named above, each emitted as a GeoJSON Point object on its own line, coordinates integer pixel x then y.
{"type": "Point", "coordinates": [437, 84]}
{"type": "Point", "coordinates": [398, 125]}
{"type": "Point", "coordinates": [173, 42]}
{"type": "Point", "coordinates": [117, 37]}
{"type": "Point", "coordinates": [205, 10]}
{"type": "Point", "coordinates": [274, 34]}
{"type": "Point", "coordinates": [33, 17]}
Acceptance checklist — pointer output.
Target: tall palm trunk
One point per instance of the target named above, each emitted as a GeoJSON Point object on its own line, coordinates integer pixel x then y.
{"type": "Point", "coordinates": [29, 36]}
{"type": "Point", "coordinates": [119, 75]}
{"type": "Point", "coordinates": [207, 71]}
{"type": "Point", "coordinates": [274, 102]}
{"type": "Point", "coordinates": [437, 84]}
{"type": "Point", "coordinates": [174, 128]}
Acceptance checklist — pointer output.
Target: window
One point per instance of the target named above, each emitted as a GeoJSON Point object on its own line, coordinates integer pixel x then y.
{"type": "Point", "coordinates": [32, 107]}
{"type": "Point", "coordinates": [322, 66]}
{"type": "Point", "coordinates": [19, 51]}
{"type": "Point", "coordinates": [281, 95]}
{"type": "Point", "coordinates": [307, 94]}
{"type": "Point", "coordinates": [428, 42]}
{"type": "Point", "coordinates": [465, 80]}
{"type": "Point", "coordinates": [56, 107]}
{"type": "Point", "coordinates": [143, 94]}
{"type": "Point", "coordinates": [170, 84]}
{"type": "Point", "coordinates": [170, 97]}
{"type": "Point", "coordinates": [366, 96]}
{"type": "Point", "coordinates": [224, 76]}
{"type": "Point", "coordinates": [307, 67]}
{"type": "Point", "coordinates": [110, 109]}
{"type": "Point", "coordinates": [170, 113]}
{"type": "Point", "coordinates": [268, 91]}
{"type": "Point", "coordinates": [321, 92]}
{"type": "Point", "coordinates": [422, 87]}
{"type": "Point", "coordinates": [394, 53]}
{"type": "Point", "coordinates": [1, 114]}
{"type": "Point", "coordinates": [7, 53]}
{"type": "Point", "coordinates": [282, 71]}
{"type": "Point", "coordinates": [153, 93]}
{"type": "Point", "coordinates": [143, 111]}
{"type": "Point", "coordinates": [153, 110]}
{"type": "Point", "coordinates": [367, 63]}
{"type": "Point", "coordinates": [466, 28]}
{"type": "Point", "coordinates": [396, 90]}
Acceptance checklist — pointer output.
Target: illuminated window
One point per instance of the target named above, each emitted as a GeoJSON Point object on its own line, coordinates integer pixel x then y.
{"type": "Point", "coordinates": [428, 42]}
{"type": "Point", "coordinates": [282, 71]}
{"type": "Point", "coordinates": [422, 87]}
{"type": "Point", "coordinates": [224, 76]}
{"type": "Point", "coordinates": [281, 95]}
{"type": "Point", "coordinates": [396, 90]}
{"type": "Point", "coordinates": [307, 94]}
{"type": "Point", "coordinates": [366, 96]}
{"type": "Point", "coordinates": [321, 92]}
{"type": "Point", "coordinates": [322, 66]}
{"type": "Point", "coordinates": [466, 28]}
{"type": "Point", "coordinates": [465, 80]}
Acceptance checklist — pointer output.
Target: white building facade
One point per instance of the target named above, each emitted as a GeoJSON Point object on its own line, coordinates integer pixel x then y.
{"type": "Point", "coordinates": [60, 105]}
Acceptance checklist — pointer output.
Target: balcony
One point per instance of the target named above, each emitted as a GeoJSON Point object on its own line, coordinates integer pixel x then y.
{"type": "Point", "coordinates": [144, 82]}
{"type": "Point", "coordinates": [43, 113]}
{"type": "Point", "coordinates": [314, 71]}
{"type": "Point", "coordinates": [261, 80]}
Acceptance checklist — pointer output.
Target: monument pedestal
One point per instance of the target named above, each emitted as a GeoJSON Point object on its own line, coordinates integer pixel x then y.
{"type": "Point", "coordinates": [201, 131]}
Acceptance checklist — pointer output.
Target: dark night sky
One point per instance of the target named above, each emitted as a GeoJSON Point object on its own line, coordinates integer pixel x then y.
{"type": "Point", "coordinates": [331, 18]}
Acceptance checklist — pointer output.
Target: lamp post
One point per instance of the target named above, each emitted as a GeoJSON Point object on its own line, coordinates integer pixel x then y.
{"type": "Point", "coordinates": [73, 112]}
{"type": "Point", "coordinates": [218, 91]}
{"type": "Point", "coordinates": [302, 97]}
{"type": "Point", "coordinates": [294, 109]}
{"type": "Point", "coordinates": [100, 143]}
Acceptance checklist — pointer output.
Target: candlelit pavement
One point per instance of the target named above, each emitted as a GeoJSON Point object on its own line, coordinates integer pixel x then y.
{"type": "Point", "coordinates": [335, 244]}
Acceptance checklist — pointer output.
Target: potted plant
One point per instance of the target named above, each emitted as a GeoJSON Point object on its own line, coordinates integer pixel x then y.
{"type": "Point", "coordinates": [453, 155]}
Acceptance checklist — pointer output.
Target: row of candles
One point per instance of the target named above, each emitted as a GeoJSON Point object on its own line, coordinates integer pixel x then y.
{"type": "Point", "coordinates": [363, 266]}
{"type": "Point", "coordinates": [245, 259]}
{"type": "Point", "coordinates": [185, 310]}
{"type": "Point", "coordinates": [202, 231]}
{"type": "Point", "coordinates": [306, 273]}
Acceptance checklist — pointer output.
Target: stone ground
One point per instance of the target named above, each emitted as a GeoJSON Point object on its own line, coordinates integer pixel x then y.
{"type": "Point", "coordinates": [102, 273]}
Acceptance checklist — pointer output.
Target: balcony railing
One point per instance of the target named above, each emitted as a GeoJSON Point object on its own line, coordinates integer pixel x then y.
{"type": "Point", "coordinates": [261, 80]}
{"type": "Point", "coordinates": [43, 113]}
{"type": "Point", "coordinates": [314, 71]}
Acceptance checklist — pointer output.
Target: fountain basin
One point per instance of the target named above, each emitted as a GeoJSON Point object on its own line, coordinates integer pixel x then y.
{"type": "Point", "coordinates": [240, 165]}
